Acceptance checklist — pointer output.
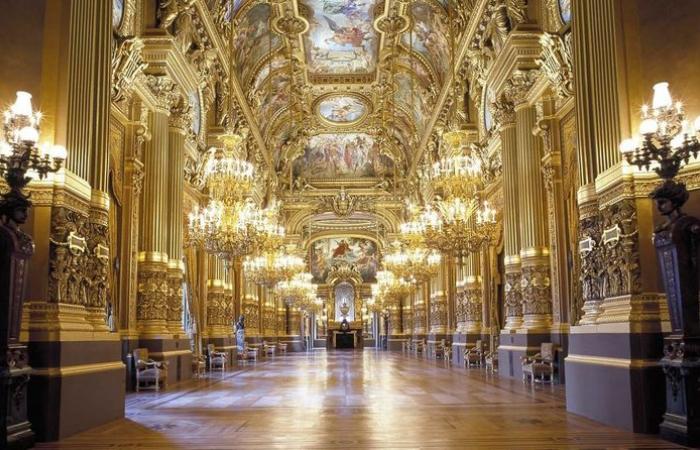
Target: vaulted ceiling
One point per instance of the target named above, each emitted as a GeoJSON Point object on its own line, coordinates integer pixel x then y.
{"type": "Point", "coordinates": [343, 88]}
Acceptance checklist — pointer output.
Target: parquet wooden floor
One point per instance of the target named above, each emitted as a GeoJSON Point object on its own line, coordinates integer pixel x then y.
{"type": "Point", "coordinates": [353, 400]}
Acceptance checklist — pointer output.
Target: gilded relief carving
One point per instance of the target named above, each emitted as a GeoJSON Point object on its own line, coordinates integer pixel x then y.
{"type": "Point", "coordinates": [621, 250]}
{"type": "Point", "coordinates": [535, 284]}
{"type": "Point", "coordinates": [152, 293]}
{"type": "Point", "coordinates": [513, 294]}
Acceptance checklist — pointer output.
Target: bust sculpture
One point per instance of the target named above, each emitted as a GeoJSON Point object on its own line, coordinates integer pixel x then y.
{"type": "Point", "coordinates": [344, 325]}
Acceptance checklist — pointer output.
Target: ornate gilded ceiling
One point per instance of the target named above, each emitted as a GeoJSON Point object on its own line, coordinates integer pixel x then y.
{"type": "Point", "coordinates": [343, 91]}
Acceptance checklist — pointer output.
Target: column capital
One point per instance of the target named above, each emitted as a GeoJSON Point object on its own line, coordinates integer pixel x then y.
{"type": "Point", "coordinates": [503, 111]}
{"type": "Point", "coordinates": [519, 84]}
{"type": "Point", "coordinates": [164, 90]}
{"type": "Point", "coordinates": [181, 115]}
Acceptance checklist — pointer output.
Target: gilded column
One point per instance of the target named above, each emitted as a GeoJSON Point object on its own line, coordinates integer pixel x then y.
{"type": "Point", "coordinates": [152, 306]}
{"type": "Point", "coordinates": [179, 124]}
{"type": "Point", "coordinates": [251, 309]}
{"type": "Point", "coordinates": [504, 115]}
{"type": "Point", "coordinates": [460, 305]}
{"type": "Point", "coordinates": [473, 295]}
{"type": "Point", "coordinates": [419, 310]}
{"type": "Point", "coordinates": [438, 302]}
{"type": "Point", "coordinates": [535, 279]}
{"type": "Point", "coordinates": [217, 304]}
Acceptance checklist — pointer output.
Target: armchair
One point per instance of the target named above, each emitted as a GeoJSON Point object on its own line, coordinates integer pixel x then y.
{"type": "Point", "coordinates": [419, 346]}
{"type": "Point", "coordinates": [473, 356]}
{"type": "Point", "coordinates": [491, 361]}
{"type": "Point", "coordinates": [199, 365]}
{"type": "Point", "coordinates": [441, 349]}
{"type": "Point", "coordinates": [269, 349]}
{"type": "Point", "coordinates": [282, 347]}
{"type": "Point", "coordinates": [150, 374]}
{"type": "Point", "coordinates": [216, 359]}
{"type": "Point", "coordinates": [540, 368]}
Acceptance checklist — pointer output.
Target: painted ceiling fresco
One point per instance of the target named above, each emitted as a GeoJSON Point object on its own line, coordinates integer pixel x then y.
{"type": "Point", "coordinates": [342, 109]}
{"type": "Point", "coordinates": [341, 38]}
{"type": "Point", "coordinates": [343, 155]}
{"type": "Point", "coordinates": [252, 40]}
{"type": "Point", "coordinates": [326, 253]}
{"type": "Point", "coordinates": [431, 36]}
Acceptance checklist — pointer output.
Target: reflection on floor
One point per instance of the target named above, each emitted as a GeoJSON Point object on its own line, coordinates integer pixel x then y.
{"type": "Point", "coordinates": [351, 400]}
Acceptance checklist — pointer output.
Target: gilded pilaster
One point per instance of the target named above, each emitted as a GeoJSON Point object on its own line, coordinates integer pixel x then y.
{"type": "Point", "coordinates": [547, 130]}
{"type": "Point", "coordinates": [219, 301]}
{"type": "Point", "coordinates": [419, 311]}
{"type": "Point", "coordinates": [251, 309]}
{"type": "Point", "coordinates": [504, 114]}
{"type": "Point", "coordinates": [535, 279]}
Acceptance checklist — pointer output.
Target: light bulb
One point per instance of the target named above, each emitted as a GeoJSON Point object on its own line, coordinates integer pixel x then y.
{"type": "Point", "coordinates": [662, 96]}
{"type": "Point", "coordinates": [5, 149]}
{"type": "Point", "coordinates": [648, 126]}
{"type": "Point", "coordinates": [697, 124]}
{"type": "Point", "coordinates": [628, 146]}
{"type": "Point", "coordinates": [29, 134]}
{"type": "Point", "coordinates": [22, 105]}
{"type": "Point", "coordinates": [677, 141]}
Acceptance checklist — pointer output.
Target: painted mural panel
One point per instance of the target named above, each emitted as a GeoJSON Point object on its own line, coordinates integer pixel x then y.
{"type": "Point", "coordinates": [341, 39]}
{"type": "Point", "coordinates": [342, 109]}
{"type": "Point", "coordinates": [347, 155]}
{"type": "Point", "coordinates": [415, 101]}
{"type": "Point", "coordinates": [252, 41]}
{"type": "Point", "coordinates": [431, 33]}
{"type": "Point", "coordinates": [274, 99]}
{"type": "Point", "coordinates": [326, 253]}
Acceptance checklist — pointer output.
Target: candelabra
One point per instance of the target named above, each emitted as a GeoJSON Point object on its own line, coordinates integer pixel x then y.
{"type": "Point", "coordinates": [667, 143]}
{"type": "Point", "coordinates": [21, 159]}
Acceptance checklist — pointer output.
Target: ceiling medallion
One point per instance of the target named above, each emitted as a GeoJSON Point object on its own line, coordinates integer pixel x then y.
{"type": "Point", "coordinates": [342, 109]}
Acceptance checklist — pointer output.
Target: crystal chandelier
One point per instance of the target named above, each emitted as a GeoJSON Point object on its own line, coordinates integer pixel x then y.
{"type": "Point", "coordinates": [222, 230]}
{"type": "Point", "coordinates": [413, 231]}
{"type": "Point", "coordinates": [455, 233]}
{"type": "Point", "coordinates": [459, 174]}
{"type": "Point", "coordinates": [413, 263]}
{"type": "Point", "coordinates": [272, 267]}
{"type": "Point", "coordinates": [297, 289]}
{"type": "Point", "coordinates": [228, 177]}
{"type": "Point", "coordinates": [269, 234]}
{"type": "Point", "coordinates": [390, 288]}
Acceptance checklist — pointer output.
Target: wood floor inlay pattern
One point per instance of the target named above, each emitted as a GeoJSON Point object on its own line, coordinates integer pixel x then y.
{"type": "Point", "coordinates": [353, 400]}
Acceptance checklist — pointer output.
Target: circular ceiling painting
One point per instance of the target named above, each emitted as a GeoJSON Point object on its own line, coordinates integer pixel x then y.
{"type": "Point", "coordinates": [342, 109]}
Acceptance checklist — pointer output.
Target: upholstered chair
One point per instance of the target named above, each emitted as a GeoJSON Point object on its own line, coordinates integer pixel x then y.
{"type": "Point", "coordinates": [440, 349]}
{"type": "Point", "coordinates": [474, 355]}
{"type": "Point", "coordinates": [217, 360]}
{"type": "Point", "coordinates": [491, 361]}
{"type": "Point", "coordinates": [282, 347]}
{"type": "Point", "coordinates": [199, 365]}
{"type": "Point", "coordinates": [269, 349]}
{"type": "Point", "coordinates": [150, 374]}
{"type": "Point", "coordinates": [541, 367]}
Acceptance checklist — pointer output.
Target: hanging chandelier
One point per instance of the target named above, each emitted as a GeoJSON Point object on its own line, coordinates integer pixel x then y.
{"type": "Point", "coordinates": [272, 267]}
{"type": "Point", "coordinates": [459, 174]}
{"type": "Point", "coordinates": [269, 234]}
{"type": "Point", "coordinates": [223, 230]}
{"type": "Point", "coordinates": [228, 177]}
{"type": "Point", "coordinates": [297, 289]}
{"type": "Point", "coordinates": [389, 288]}
{"type": "Point", "coordinates": [414, 264]}
{"type": "Point", "coordinates": [413, 231]}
